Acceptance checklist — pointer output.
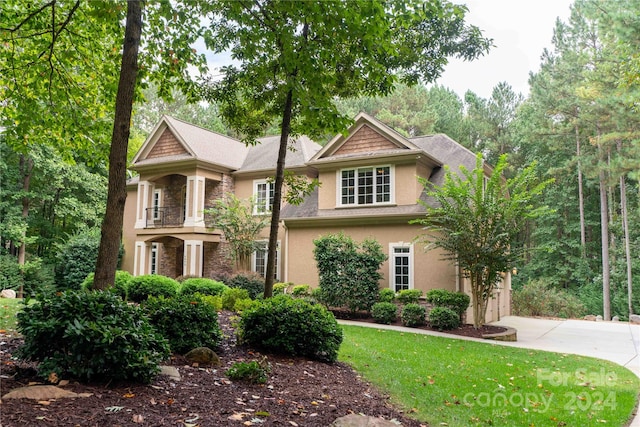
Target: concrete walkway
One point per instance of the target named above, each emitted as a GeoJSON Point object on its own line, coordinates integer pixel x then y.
{"type": "Point", "coordinates": [618, 342]}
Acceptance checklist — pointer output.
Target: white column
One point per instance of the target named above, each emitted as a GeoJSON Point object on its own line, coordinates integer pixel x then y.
{"type": "Point", "coordinates": [193, 255]}
{"type": "Point", "coordinates": [139, 259]}
{"type": "Point", "coordinates": [195, 202]}
{"type": "Point", "coordinates": [143, 197]}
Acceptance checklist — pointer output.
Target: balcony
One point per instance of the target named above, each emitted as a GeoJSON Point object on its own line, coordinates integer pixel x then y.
{"type": "Point", "coordinates": [170, 217]}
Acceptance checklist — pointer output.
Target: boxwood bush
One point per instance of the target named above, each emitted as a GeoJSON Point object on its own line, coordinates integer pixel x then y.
{"type": "Point", "coordinates": [413, 315]}
{"type": "Point", "coordinates": [142, 287]}
{"type": "Point", "coordinates": [291, 326]}
{"type": "Point", "coordinates": [186, 321]}
{"type": "Point", "coordinates": [91, 336]}
{"type": "Point", "coordinates": [386, 295]}
{"type": "Point", "coordinates": [120, 286]}
{"type": "Point", "coordinates": [409, 296]}
{"type": "Point", "coordinates": [456, 301]}
{"type": "Point", "coordinates": [202, 286]}
{"type": "Point", "coordinates": [444, 318]}
{"type": "Point", "coordinates": [384, 312]}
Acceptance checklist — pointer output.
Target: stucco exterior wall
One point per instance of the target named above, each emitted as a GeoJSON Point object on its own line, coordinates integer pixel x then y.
{"type": "Point", "coordinates": [128, 229]}
{"type": "Point", "coordinates": [429, 270]}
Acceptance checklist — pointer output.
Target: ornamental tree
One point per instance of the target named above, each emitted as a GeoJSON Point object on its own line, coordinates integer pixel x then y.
{"type": "Point", "coordinates": [476, 219]}
{"type": "Point", "coordinates": [295, 58]}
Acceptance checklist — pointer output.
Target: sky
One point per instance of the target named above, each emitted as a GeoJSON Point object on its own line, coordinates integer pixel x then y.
{"type": "Point", "coordinates": [520, 30]}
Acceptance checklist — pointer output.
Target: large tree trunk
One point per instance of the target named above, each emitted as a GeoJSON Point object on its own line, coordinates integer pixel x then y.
{"type": "Point", "coordinates": [117, 193]}
{"type": "Point", "coordinates": [277, 195]}
{"type": "Point", "coordinates": [583, 234]}
{"type": "Point", "coordinates": [604, 233]}
{"type": "Point", "coordinates": [26, 167]}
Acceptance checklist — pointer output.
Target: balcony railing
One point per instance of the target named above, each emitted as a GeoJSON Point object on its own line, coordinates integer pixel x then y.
{"type": "Point", "coordinates": [163, 217]}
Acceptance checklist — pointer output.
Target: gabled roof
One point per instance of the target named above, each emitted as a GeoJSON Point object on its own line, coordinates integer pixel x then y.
{"type": "Point", "coordinates": [367, 138]}
{"type": "Point", "coordinates": [264, 155]}
{"type": "Point", "coordinates": [194, 143]}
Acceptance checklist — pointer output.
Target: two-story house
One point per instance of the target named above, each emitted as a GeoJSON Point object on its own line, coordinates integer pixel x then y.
{"type": "Point", "coordinates": [368, 188]}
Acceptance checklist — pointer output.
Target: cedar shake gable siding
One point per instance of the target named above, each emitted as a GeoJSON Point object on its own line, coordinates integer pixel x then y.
{"type": "Point", "coordinates": [167, 145]}
{"type": "Point", "coordinates": [365, 140]}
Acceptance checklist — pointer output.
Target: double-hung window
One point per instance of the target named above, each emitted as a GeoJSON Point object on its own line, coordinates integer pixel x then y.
{"type": "Point", "coordinates": [365, 186]}
{"type": "Point", "coordinates": [259, 260]}
{"type": "Point", "coordinates": [263, 193]}
{"type": "Point", "coordinates": [153, 259]}
{"type": "Point", "coordinates": [401, 266]}
{"type": "Point", "coordinates": [157, 204]}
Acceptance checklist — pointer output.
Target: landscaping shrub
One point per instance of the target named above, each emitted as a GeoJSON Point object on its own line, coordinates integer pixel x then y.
{"type": "Point", "coordinates": [444, 318]}
{"type": "Point", "coordinates": [301, 291]}
{"type": "Point", "coordinates": [214, 301]}
{"type": "Point", "coordinates": [120, 286]}
{"type": "Point", "coordinates": [36, 277]}
{"type": "Point", "coordinates": [386, 295]}
{"type": "Point", "coordinates": [142, 287]}
{"type": "Point", "coordinates": [251, 282]}
{"type": "Point", "coordinates": [413, 315]}
{"type": "Point", "coordinates": [280, 288]}
{"type": "Point", "coordinates": [90, 336]}
{"type": "Point", "coordinates": [349, 272]}
{"type": "Point", "coordinates": [317, 295]}
{"type": "Point", "coordinates": [243, 304]}
{"type": "Point", "coordinates": [291, 326]}
{"type": "Point", "coordinates": [253, 372]}
{"type": "Point", "coordinates": [539, 298]}
{"type": "Point", "coordinates": [456, 301]}
{"type": "Point", "coordinates": [186, 321]}
{"type": "Point", "coordinates": [409, 296]}
{"type": "Point", "coordinates": [231, 295]}
{"type": "Point", "coordinates": [202, 286]}
{"type": "Point", "coordinates": [384, 312]}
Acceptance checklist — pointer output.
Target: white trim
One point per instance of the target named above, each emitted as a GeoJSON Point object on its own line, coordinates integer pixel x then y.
{"type": "Point", "coordinates": [156, 203]}
{"type": "Point", "coordinates": [194, 216]}
{"type": "Point", "coordinates": [270, 186]}
{"type": "Point", "coordinates": [138, 258]}
{"type": "Point", "coordinates": [392, 257]}
{"type": "Point", "coordinates": [154, 255]}
{"type": "Point", "coordinates": [392, 186]}
{"type": "Point", "coordinates": [142, 202]}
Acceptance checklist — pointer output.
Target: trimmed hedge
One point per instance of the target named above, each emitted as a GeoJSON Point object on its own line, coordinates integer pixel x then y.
{"type": "Point", "coordinates": [384, 312]}
{"type": "Point", "coordinates": [444, 318]}
{"type": "Point", "coordinates": [386, 295]}
{"type": "Point", "coordinates": [142, 287]}
{"type": "Point", "coordinates": [413, 315]}
{"type": "Point", "coordinates": [120, 286]}
{"type": "Point", "coordinates": [409, 296]}
{"type": "Point", "coordinates": [201, 285]}
{"type": "Point", "coordinates": [456, 301]}
{"type": "Point", "coordinates": [292, 326]}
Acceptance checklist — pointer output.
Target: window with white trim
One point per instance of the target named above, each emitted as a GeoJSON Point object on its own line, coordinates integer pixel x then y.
{"type": "Point", "coordinates": [263, 193]}
{"type": "Point", "coordinates": [366, 186]}
{"type": "Point", "coordinates": [156, 204]}
{"type": "Point", "coordinates": [153, 259]}
{"type": "Point", "coordinates": [400, 266]}
{"type": "Point", "coordinates": [259, 260]}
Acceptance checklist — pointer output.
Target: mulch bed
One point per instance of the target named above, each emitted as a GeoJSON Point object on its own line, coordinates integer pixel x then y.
{"type": "Point", "coordinates": [299, 392]}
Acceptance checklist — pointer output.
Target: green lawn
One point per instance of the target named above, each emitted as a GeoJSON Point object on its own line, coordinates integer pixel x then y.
{"type": "Point", "coordinates": [8, 310]}
{"type": "Point", "coordinates": [448, 382]}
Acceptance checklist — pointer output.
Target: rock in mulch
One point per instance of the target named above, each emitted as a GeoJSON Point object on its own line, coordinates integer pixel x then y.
{"type": "Point", "coordinates": [171, 372]}
{"type": "Point", "coordinates": [203, 356]}
{"type": "Point", "coordinates": [356, 420]}
{"type": "Point", "coordinates": [42, 392]}
{"type": "Point", "coordinates": [635, 319]}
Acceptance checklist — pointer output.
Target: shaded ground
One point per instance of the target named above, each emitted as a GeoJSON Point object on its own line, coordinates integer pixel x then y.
{"type": "Point", "coordinates": [299, 392]}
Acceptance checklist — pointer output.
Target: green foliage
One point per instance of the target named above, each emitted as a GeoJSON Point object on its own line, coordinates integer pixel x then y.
{"type": "Point", "coordinates": [240, 226]}
{"type": "Point", "coordinates": [384, 312]}
{"type": "Point", "coordinates": [301, 291]}
{"type": "Point", "coordinates": [386, 295]}
{"type": "Point", "coordinates": [35, 276]}
{"type": "Point", "coordinates": [252, 372]}
{"type": "Point", "coordinates": [186, 321]}
{"type": "Point", "coordinates": [90, 336]}
{"type": "Point", "coordinates": [409, 296]}
{"type": "Point", "coordinates": [349, 272]}
{"type": "Point", "coordinates": [413, 315]}
{"type": "Point", "coordinates": [214, 301]}
{"type": "Point", "coordinates": [456, 301]}
{"type": "Point", "coordinates": [477, 219]}
{"type": "Point", "coordinates": [142, 287]}
{"type": "Point", "coordinates": [251, 282]}
{"type": "Point", "coordinates": [10, 277]}
{"type": "Point", "coordinates": [242, 304]}
{"type": "Point", "coordinates": [202, 286]}
{"type": "Point", "coordinates": [120, 287]}
{"type": "Point", "coordinates": [76, 259]}
{"type": "Point", "coordinates": [292, 326]}
{"type": "Point", "coordinates": [539, 298]}
{"type": "Point", "coordinates": [231, 295]}
{"type": "Point", "coordinates": [444, 318]}
{"type": "Point", "coordinates": [281, 288]}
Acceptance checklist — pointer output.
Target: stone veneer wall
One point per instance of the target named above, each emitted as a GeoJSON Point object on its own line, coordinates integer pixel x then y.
{"type": "Point", "coordinates": [217, 257]}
